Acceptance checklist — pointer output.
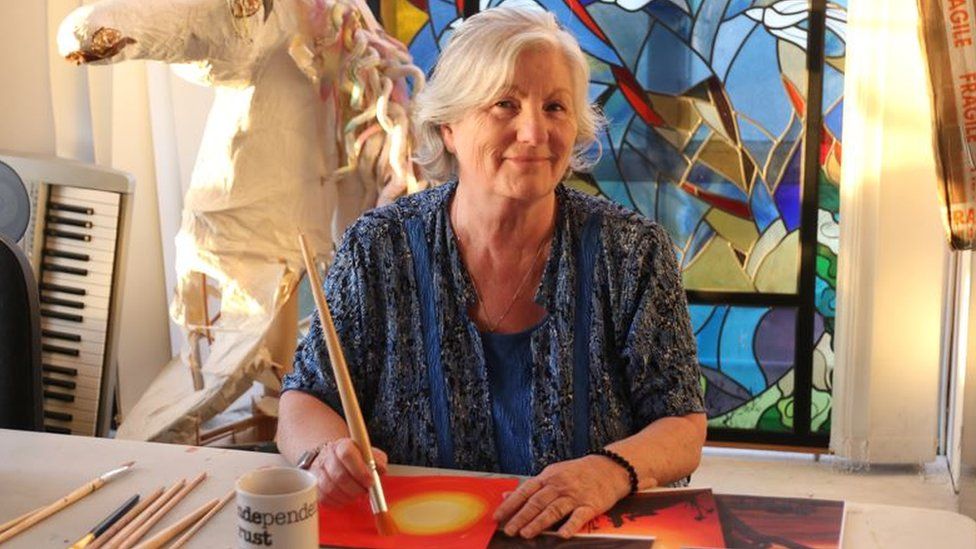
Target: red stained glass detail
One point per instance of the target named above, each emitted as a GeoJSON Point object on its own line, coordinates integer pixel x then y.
{"type": "Point", "coordinates": [734, 207]}
{"type": "Point", "coordinates": [580, 12]}
{"type": "Point", "coordinates": [636, 96]}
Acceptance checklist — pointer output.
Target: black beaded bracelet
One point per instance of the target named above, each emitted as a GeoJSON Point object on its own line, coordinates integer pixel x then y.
{"type": "Point", "coordinates": [621, 461]}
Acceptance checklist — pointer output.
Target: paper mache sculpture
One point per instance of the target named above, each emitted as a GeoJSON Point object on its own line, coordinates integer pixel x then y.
{"type": "Point", "coordinates": [309, 127]}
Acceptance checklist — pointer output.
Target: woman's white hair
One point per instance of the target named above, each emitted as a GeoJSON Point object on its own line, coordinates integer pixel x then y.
{"type": "Point", "coordinates": [477, 65]}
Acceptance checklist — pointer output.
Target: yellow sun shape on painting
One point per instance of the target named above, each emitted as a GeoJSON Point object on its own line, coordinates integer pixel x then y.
{"type": "Point", "coordinates": [434, 513]}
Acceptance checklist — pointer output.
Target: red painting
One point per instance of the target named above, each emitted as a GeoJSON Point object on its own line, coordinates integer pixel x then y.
{"type": "Point", "coordinates": [774, 523]}
{"type": "Point", "coordinates": [429, 512]}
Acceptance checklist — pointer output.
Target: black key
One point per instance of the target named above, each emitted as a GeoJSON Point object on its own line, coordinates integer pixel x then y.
{"type": "Point", "coordinates": [57, 430]}
{"type": "Point", "coordinates": [62, 302]}
{"type": "Point", "coordinates": [54, 334]}
{"type": "Point", "coordinates": [59, 288]}
{"type": "Point", "coordinates": [51, 368]}
{"type": "Point", "coordinates": [59, 396]}
{"type": "Point", "coordinates": [60, 416]}
{"type": "Point", "coordinates": [59, 383]}
{"type": "Point", "coordinates": [64, 269]}
{"type": "Point", "coordinates": [66, 255]}
{"type": "Point", "coordinates": [63, 316]}
{"type": "Point", "coordinates": [68, 221]}
{"type": "Point", "coordinates": [47, 348]}
{"type": "Point", "coordinates": [70, 208]}
{"type": "Point", "coordinates": [67, 234]}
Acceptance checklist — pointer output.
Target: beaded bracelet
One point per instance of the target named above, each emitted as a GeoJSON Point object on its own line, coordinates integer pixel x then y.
{"type": "Point", "coordinates": [621, 461]}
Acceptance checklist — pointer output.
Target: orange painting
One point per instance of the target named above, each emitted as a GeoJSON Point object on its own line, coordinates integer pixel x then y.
{"type": "Point", "coordinates": [429, 512]}
{"type": "Point", "coordinates": [673, 518]}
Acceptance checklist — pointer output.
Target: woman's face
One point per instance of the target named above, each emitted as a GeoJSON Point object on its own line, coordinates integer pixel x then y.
{"type": "Point", "coordinates": [519, 145]}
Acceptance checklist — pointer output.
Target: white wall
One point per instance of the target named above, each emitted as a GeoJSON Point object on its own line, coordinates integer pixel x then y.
{"type": "Point", "coordinates": [893, 253]}
{"type": "Point", "coordinates": [26, 119]}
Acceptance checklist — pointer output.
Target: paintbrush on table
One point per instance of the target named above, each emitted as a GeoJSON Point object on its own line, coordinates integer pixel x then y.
{"type": "Point", "coordinates": [67, 500]}
{"type": "Point", "coordinates": [106, 523]}
{"type": "Point", "coordinates": [350, 404]}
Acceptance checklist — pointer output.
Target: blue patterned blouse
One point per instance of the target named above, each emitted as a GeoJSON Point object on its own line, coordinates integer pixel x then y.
{"type": "Point", "coordinates": [417, 360]}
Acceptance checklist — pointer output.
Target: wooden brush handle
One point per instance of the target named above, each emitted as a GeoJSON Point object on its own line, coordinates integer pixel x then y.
{"type": "Point", "coordinates": [350, 404]}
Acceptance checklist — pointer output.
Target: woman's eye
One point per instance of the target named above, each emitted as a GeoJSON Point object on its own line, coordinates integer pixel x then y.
{"type": "Point", "coordinates": [505, 104]}
{"type": "Point", "coordinates": [556, 107]}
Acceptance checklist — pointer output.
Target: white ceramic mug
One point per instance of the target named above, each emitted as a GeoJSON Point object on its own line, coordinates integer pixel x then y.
{"type": "Point", "coordinates": [277, 507]}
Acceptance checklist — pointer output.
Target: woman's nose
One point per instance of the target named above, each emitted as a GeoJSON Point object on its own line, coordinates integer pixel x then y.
{"type": "Point", "coordinates": [531, 127]}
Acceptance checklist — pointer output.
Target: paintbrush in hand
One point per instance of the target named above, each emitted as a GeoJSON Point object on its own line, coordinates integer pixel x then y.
{"type": "Point", "coordinates": [350, 404]}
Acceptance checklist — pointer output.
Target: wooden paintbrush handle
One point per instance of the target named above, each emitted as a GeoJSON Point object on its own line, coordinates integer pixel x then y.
{"type": "Point", "coordinates": [42, 514]}
{"type": "Point", "coordinates": [350, 404]}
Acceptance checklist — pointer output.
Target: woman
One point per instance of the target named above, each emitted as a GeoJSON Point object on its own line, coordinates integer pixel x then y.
{"type": "Point", "coordinates": [501, 321]}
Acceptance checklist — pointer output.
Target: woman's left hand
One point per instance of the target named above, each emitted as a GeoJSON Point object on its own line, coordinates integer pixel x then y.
{"type": "Point", "coordinates": [581, 489]}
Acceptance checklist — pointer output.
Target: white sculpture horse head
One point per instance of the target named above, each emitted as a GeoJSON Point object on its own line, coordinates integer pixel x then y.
{"type": "Point", "coordinates": [309, 128]}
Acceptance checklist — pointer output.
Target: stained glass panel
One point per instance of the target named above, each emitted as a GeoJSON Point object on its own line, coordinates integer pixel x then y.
{"type": "Point", "coordinates": [423, 25]}
{"type": "Point", "coordinates": [706, 101]}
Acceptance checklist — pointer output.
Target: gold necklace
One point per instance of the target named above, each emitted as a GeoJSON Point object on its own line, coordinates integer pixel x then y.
{"type": "Point", "coordinates": [492, 326]}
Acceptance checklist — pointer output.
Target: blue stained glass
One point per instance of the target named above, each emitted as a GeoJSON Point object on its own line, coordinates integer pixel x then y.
{"type": "Point", "coordinates": [706, 26]}
{"type": "Point", "coordinates": [595, 90]}
{"type": "Point", "coordinates": [709, 333]}
{"type": "Point", "coordinates": [590, 43]}
{"type": "Point", "coordinates": [763, 207]}
{"type": "Point", "coordinates": [834, 119]}
{"type": "Point", "coordinates": [694, 5]}
{"type": "Point", "coordinates": [758, 63]}
{"type": "Point", "coordinates": [787, 193]}
{"type": "Point", "coordinates": [736, 348]}
{"type": "Point", "coordinates": [708, 180]}
{"type": "Point", "coordinates": [424, 49]}
{"type": "Point", "coordinates": [834, 46]}
{"type": "Point", "coordinates": [665, 158]}
{"type": "Point", "coordinates": [702, 235]}
{"type": "Point", "coordinates": [600, 72]}
{"type": "Point", "coordinates": [672, 17]}
{"type": "Point", "coordinates": [833, 86]}
{"type": "Point", "coordinates": [618, 112]}
{"type": "Point", "coordinates": [826, 298]}
{"type": "Point", "coordinates": [679, 212]}
{"type": "Point", "coordinates": [783, 150]}
{"type": "Point", "coordinates": [736, 7]}
{"type": "Point", "coordinates": [731, 35]}
{"type": "Point", "coordinates": [442, 14]}
{"type": "Point", "coordinates": [754, 140]}
{"type": "Point", "coordinates": [628, 32]}
{"type": "Point", "coordinates": [699, 137]}
{"type": "Point", "coordinates": [699, 315]}
{"type": "Point", "coordinates": [667, 65]}
{"type": "Point", "coordinates": [641, 179]}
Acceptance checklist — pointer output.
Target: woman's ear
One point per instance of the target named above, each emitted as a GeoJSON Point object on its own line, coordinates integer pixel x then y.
{"type": "Point", "coordinates": [447, 136]}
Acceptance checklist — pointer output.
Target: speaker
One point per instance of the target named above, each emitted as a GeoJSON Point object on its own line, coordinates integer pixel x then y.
{"type": "Point", "coordinates": [15, 206]}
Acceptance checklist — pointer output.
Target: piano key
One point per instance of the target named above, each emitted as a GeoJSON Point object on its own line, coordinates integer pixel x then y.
{"type": "Point", "coordinates": [88, 267]}
{"type": "Point", "coordinates": [105, 219]}
{"type": "Point", "coordinates": [90, 331]}
{"type": "Point", "coordinates": [66, 254]}
{"type": "Point", "coordinates": [94, 285]}
{"type": "Point", "coordinates": [54, 395]}
{"type": "Point", "coordinates": [63, 316]}
{"type": "Point", "coordinates": [84, 385]}
{"type": "Point", "coordinates": [83, 359]}
{"type": "Point", "coordinates": [72, 235]}
{"type": "Point", "coordinates": [102, 243]}
{"type": "Point", "coordinates": [77, 194]}
{"type": "Point", "coordinates": [94, 256]}
{"type": "Point", "coordinates": [54, 334]}
{"type": "Point", "coordinates": [59, 207]}
{"type": "Point", "coordinates": [50, 266]}
{"type": "Point", "coordinates": [83, 346]}
{"type": "Point", "coordinates": [57, 430]}
{"type": "Point", "coordinates": [70, 221]}
{"type": "Point", "coordinates": [60, 416]}
{"type": "Point", "coordinates": [96, 313]}
{"type": "Point", "coordinates": [53, 382]}
{"type": "Point", "coordinates": [78, 414]}
{"type": "Point", "coordinates": [59, 369]}
{"type": "Point", "coordinates": [59, 288]}
{"type": "Point", "coordinates": [63, 302]}
{"type": "Point", "coordinates": [58, 349]}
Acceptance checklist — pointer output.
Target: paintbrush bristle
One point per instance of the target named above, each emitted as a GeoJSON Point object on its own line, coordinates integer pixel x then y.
{"type": "Point", "coordinates": [384, 524]}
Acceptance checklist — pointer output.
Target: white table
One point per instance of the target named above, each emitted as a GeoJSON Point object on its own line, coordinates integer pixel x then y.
{"type": "Point", "coordinates": [36, 468]}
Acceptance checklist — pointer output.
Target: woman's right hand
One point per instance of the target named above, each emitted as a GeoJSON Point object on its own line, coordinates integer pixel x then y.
{"type": "Point", "coordinates": [342, 473]}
